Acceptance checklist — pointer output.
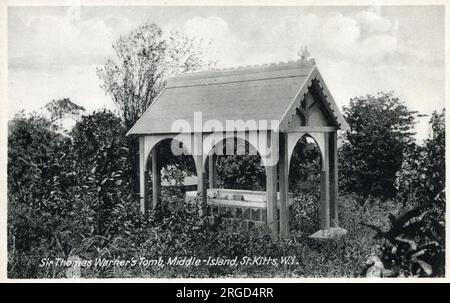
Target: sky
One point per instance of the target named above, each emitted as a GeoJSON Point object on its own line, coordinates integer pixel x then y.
{"type": "Point", "coordinates": [53, 52]}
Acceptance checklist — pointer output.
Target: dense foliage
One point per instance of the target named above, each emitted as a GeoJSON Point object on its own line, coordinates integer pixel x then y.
{"type": "Point", "coordinates": [381, 130]}
{"type": "Point", "coordinates": [66, 190]}
{"type": "Point", "coordinates": [305, 166]}
{"type": "Point", "coordinates": [72, 197]}
{"type": "Point", "coordinates": [241, 172]}
{"type": "Point", "coordinates": [414, 243]}
{"type": "Point", "coordinates": [422, 174]}
{"type": "Point", "coordinates": [247, 171]}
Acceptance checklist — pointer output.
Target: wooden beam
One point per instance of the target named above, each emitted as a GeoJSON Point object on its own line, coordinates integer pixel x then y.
{"type": "Point", "coordinates": [314, 129]}
{"type": "Point", "coordinates": [201, 186]}
{"type": "Point", "coordinates": [271, 189]}
{"type": "Point", "coordinates": [333, 159]}
{"type": "Point", "coordinates": [302, 112]}
{"type": "Point", "coordinates": [212, 171]}
{"type": "Point", "coordinates": [143, 177]}
{"type": "Point", "coordinates": [156, 179]}
{"type": "Point", "coordinates": [202, 192]}
{"type": "Point", "coordinates": [271, 184]}
{"type": "Point", "coordinates": [325, 190]}
{"type": "Point", "coordinates": [312, 104]}
{"type": "Point", "coordinates": [284, 187]}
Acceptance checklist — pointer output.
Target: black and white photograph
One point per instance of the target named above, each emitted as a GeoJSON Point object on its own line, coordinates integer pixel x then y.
{"type": "Point", "coordinates": [289, 142]}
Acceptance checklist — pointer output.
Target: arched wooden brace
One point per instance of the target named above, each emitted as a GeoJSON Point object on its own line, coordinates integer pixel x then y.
{"type": "Point", "coordinates": [212, 148]}
{"type": "Point", "coordinates": [274, 155]}
{"type": "Point", "coordinates": [212, 140]}
{"type": "Point", "coordinates": [327, 143]}
{"type": "Point", "coordinates": [281, 146]}
{"type": "Point", "coordinates": [318, 137]}
{"type": "Point", "coordinates": [210, 155]}
{"type": "Point", "coordinates": [148, 148]}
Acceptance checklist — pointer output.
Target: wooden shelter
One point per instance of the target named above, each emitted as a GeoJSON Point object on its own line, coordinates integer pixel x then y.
{"type": "Point", "coordinates": [292, 93]}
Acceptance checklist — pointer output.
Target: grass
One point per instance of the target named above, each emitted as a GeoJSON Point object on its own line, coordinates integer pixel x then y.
{"type": "Point", "coordinates": [327, 258]}
{"type": "Point", "coordinates": [178, 233]}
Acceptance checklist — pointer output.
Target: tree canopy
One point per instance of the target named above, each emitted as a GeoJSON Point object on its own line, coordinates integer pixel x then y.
{"type": "Point", "coordinates": [144, 60]}
{"type": "Point", "coordinates": [62, 108]}
{"type": "Point", "coordinates": [381, 129]}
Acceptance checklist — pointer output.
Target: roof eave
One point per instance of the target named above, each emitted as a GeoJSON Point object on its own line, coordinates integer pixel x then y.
{"type": "Point", "coordinates": [131, 131]}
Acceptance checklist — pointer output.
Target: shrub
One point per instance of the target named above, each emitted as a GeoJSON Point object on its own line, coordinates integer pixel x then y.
{"type": "Point", "coordinates": [241, 171]}
{"type": "Point", "coordinates": [32, 143]}
{"type": "Point", "coordinates": [422, 174]}
{"type": "Point", "coordinates": [381, 129]}
{"type": "Point", "coordinates": [104, 175]}
{"type": "Point", "coordinates": [414, 244]}
{"type": "Point", "coordinates": [65, 190]}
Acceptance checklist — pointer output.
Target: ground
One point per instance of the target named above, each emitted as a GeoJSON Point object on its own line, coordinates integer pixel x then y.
{"type": "Point", "coordinates": [313, 258]}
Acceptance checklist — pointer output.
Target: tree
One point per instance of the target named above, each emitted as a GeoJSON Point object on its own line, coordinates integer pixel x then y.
{"type": "Point", "coordinates": [414, 244]}
{"type": "Point", "coordinates": [381, 130]}
{"type": "Point", "coordinates": [104, 172]}
{"type": "Point", "coordinates": [36, 154]}
{"type": "Point", "coordinates": [144, 60]}
{"type": "Point", "coordinates": [32, 143]}
{"type": "Point", "coordinates": [65, 193]}
{"type": "Point", "coordinates": [62, 108]}
{"type": "Point", "coordinates": [422, 174]}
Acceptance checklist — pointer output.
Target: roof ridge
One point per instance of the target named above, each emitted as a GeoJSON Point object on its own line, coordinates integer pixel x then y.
{"type": "Point", "coordinates": [274, 64]}
{"type": "Point", "coordinates": [246, 68]}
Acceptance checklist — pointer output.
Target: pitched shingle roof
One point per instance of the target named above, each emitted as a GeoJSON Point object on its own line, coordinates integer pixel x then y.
{"type": "Point", "coordinates": [266, 92]}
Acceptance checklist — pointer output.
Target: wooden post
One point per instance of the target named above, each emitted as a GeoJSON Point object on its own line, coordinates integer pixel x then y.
{"type": "Point", "coordinates": [201, 186]}
{"type": "Point", "coordinates": [271, 189]}
{"type": "Point", "coordinates": [284, 186]}
{"type": "Point", "coordinates": [271, 184]}
{"type": "Point", "coordinates": [215, 171]}
{"type": "Point", "coordinates": [202, 191]}
{"type": "Point", "coordinates": [325, 188]}
{"type": "Point", "coordinates": [156, 179]}
{"type": "Point", "coordinates": [333, 159]}
{"type": "Point", "coordinates": [143, 177]}
{"type": "Point", "coordinates": [212, 174]}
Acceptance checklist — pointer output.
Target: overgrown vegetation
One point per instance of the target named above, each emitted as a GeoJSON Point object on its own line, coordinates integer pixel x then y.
{"type": "Point", "coordinates": [71, 196]}
{"type": "Point", "coordinates": [63, 191]}
{"type": "Point", "coordinates": [76, 196]}
{"type": "Point", "coordinates": [88, 211]}
{"type": "Point", "coordinates": [381, 130]}
{"type": "Point", "coordinates": [414, 243]}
